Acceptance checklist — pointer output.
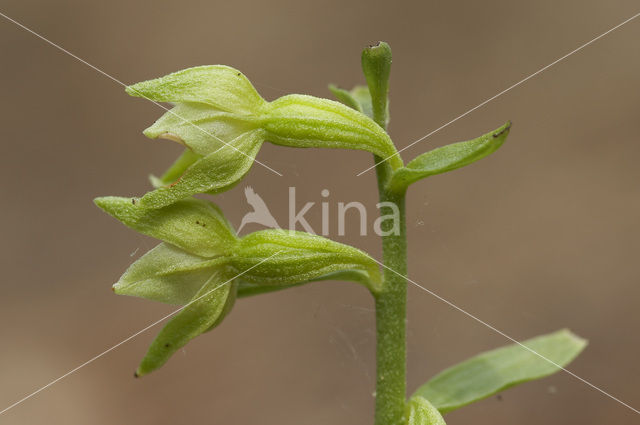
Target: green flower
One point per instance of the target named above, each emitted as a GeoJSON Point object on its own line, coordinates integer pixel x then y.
{"type": "Point", "coordinates": [223, 121]}
{"type": "Point", "coordinates": [203, 265]}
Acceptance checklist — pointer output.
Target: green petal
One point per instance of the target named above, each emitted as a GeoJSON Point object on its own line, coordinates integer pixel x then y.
{"type": "Point", "coordinates": [301, 257]}
{"type": "Point", "coordinates": [205, 311]}
{"type": "Point", "coordinates": [167, 274]}
{"type": "Point", "coordinates": [177, 169]}
{"type": "Point", "coordinates": [421, 412]}
{"type": "Point", "coordinates": [215, 173]}
{"type": "Point", "coordinates": [496, 370]}
{"type": "Point", "coordinates": [449, 157]}
{"type": "Point", "coordinates": [220, 86]}
{"type": "Point", "coordinates": [195, 225]}
{"type": "Point", "coordinates": [200, 127]}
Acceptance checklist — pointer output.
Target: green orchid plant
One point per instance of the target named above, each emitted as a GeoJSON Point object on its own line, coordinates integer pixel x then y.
{"type": "Point", "coordinates": [202, 265]}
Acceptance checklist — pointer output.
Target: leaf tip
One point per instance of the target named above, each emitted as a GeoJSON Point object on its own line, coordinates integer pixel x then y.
{"type": "Point", "coordinates": [118, 288]}
{"type": "Point", "coordinates": [582, 342]}
{"type": "Point", "coordinates": [503, 131]}
{"type": "Point", "coordinates": [143, 370]}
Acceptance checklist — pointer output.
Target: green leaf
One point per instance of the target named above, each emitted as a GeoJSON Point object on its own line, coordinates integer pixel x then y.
{"type": "Point", "coordinates": [376, 66]}
{"type": "Point", "coordinates": [215, 173]}
{"type": "Point", "coordinates": [247, 289]}
{"type": "Point", "coordinates": [195, 225]}
{"type": "Point", "coordinates": [205, 311]}
{"type": "Point", "coordinates": [363, 97]}
{"type": "Point", "coordinates": [220, 86]}
{"type": "Point", "coordinates": [200, 127]}
{"type": "Point", "coordinates": [360, 96]}
{"type": "Point", "coordinates": [421, 412]}
{"type": "Point", "coordinates": [177, 169]}
{"type": "Point", "coordinates": [448, 158]}
{"type": "Point", "coordinates": [496, 370]}
{"type": "Point", "coordinates": [305, 122]}
{"type": "Point", "coordinates": [167, 274]}
{"type": "Point", "coordinates": [300, 257]}
{"type": "Point", "coordinates": [345, 97]}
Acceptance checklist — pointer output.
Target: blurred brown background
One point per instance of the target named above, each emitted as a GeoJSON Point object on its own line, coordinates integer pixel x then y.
{"type": "Point", "coordinates": [542, 235]}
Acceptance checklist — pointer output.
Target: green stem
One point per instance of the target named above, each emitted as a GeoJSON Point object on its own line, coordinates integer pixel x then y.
{"type": "Point", "coordinates": [391, 306]}
{"type": "Point", "coordinates": [391, 301]}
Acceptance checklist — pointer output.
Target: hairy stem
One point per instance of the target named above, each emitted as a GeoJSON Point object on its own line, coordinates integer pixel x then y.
{"type": "Point", "coordinates": [391, 311]}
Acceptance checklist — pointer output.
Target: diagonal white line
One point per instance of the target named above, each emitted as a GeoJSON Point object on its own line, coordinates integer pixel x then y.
{"type": "Point", "coordinates": [502, 92]}
{"type": "Point", "coordinates": [498, 331]}
{"type": "Point", "coordinates": [130, 338]}
{"type": "Point", "coordinates": [124, 85]}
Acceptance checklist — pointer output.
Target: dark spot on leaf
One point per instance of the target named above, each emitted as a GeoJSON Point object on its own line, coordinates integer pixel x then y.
{"type": "Point", "coordinates": [197, 222]}
{"type": "Point", "coordinates": [133, 201]}
{"type": "Point", "coordinates": [167, 345]}
{"type": "Point", "coordinates": [135, 374]}
{"type": "Point", "coordinates": [506, 128]}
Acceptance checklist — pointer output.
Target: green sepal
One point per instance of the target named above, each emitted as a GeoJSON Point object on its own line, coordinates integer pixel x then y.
{"type": "Point", "coordinates": [177, 169]}
{"type": "Point", "coordinates": [420, 412]}
{"type": "Point", "coordinates": [217, 172]}
{"type": "Point", "coordinates": [205, 311]}
{"type": "Point", "coordinates": [448, 158]}
{"type": "Point", "coordinates": [493, 371]}
{"type": "Point", "coordinates": [195, 225]}
{"type": "Point", "coordinates": [306, 122]}
{"type": "Point", "coordinates": [277, 257]}
{"type": "Point", "coordinates": [167, 274]}
{"type": "Point", "coordinates": [220, 86]}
